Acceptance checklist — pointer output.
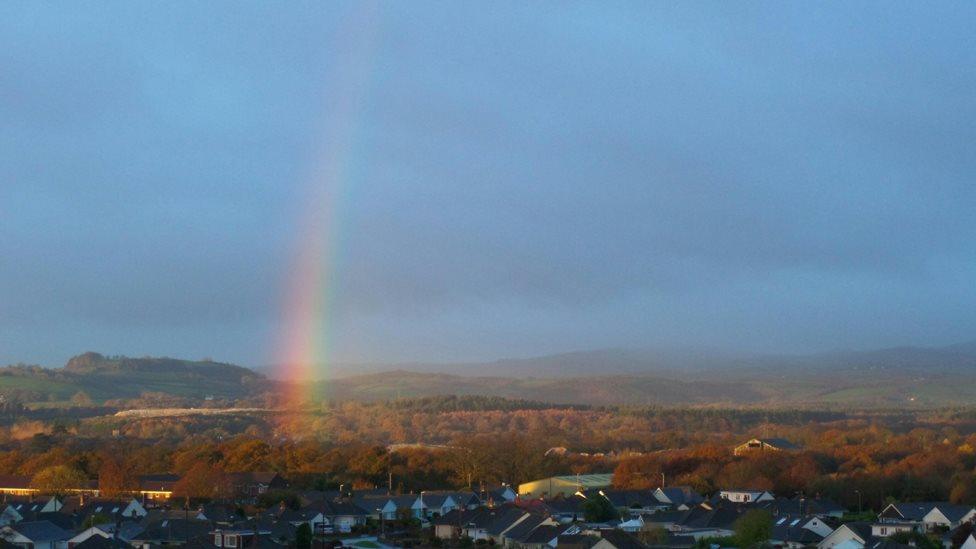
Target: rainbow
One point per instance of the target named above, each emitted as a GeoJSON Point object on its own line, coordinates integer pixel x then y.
{"type": "Point", "coordinates": [302, 351]}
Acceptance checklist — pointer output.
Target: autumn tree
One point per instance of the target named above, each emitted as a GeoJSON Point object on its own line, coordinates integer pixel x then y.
{"type": "Point", "coordinates": [203, 481]}
{"type": "Point", "coordinates": [117, 476]}
{"type": "Point", "coordinates": [58, 480]}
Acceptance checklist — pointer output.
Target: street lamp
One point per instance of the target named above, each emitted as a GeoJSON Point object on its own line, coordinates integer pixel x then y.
{"type": "Point", "coordinates": [858, 492]}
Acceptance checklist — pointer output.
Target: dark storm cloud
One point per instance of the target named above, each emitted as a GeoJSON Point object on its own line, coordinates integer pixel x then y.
{"type": "Point", "coordinates": [524, 179]}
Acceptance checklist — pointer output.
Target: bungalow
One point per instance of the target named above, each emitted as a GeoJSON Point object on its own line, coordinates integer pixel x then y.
{"type": "Point", "coordinates": [927, 515]}
{"type": "Point", "coordinates": [124, 531]}
{"type": "Point", "coordinates": [544, 536]}
{"type": "Point", "coordinates": [236, 538]}
{"type": "Point", "coordinates": [471, 523]}
{"type": "Point", "coordinates": [436, 504]}
{"type": "Point", "coordinates": [632, 525]}
{"type": "Point", "coordinates": [40, 534]}
{"type": "Point", "coordinates": [681, 498]}
{"type": "Point", "coordinates": [852, 535]}
{"type": "Point", "coordinates": [340, 515]}
{"type": "Point", "coordinates": [746, 496]}
{"type": "Point", "coordinates": [111, 510]}
{"type": "Point", "coordinates": [171, 531]}
{"type": "Point", "coordinates": [16, 485]}
{"type": "Point", "coordinates": [504, 520]}
{"type": "Point", "coordinates": [521, 529]}
{"type": "Point", "coordinates": [764, 445]}
{"type": "Point", "coordinates": [499, 495]}
{"type": "Point", "coordinates": [157, 486]}
{"type": "Point", "coordinates": [633, 502]}
{"type": "Point", "coordinates": [886, 529]}
{"type": "Point", "coordinates": [703, 522]}
{"type": "Point", "coordinates": [794, 537]}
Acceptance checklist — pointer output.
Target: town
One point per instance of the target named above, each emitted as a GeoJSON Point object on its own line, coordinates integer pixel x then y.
{"type": "Point", "coordinates": [58, 510]}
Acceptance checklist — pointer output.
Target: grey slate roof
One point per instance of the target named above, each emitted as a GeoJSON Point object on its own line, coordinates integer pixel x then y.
{"type": "Point", "coordinates": [41, 531]}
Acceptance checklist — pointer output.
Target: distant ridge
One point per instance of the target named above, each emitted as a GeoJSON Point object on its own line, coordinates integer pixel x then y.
{"type": "Point", "coordinates": [691, 364]}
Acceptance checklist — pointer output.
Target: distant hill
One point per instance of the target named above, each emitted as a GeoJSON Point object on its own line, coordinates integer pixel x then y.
{"type": "Point", "coordinates": [895, 377]}
{"type": "Point", "coordinates": [103, 378]}
{"type": "Point", "coordinates": [690, 364]}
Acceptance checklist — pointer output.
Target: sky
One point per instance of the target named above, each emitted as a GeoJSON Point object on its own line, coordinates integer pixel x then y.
{"type": "Point", "coordinates": [485, 180]}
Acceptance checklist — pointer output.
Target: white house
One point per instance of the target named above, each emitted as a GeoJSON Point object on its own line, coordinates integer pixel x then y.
{"type": "Point", "coordinates": [885, 529]}
{"type": "Point", "coordinates": [948, 516]}
{"type": "Point", "coordinates": [85, 534]}
{"type": "Point", "coordinates": [632, 525]}
{"type": "Point", "coordinates": [853, 535]}
{"type": "Point", "coordinates": [747, 496]}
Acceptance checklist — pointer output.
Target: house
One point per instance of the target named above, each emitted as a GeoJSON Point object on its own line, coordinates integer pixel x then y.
{"type": "Point", "coordinates": [522, 529]}
{"type": "Point", "coordinates": [339, 515]}
{"type": "Point", "coordinates": [110, 510]}
{"type": "Point", "coordinates": [632, 525]}
{"type": "Point", "coordinates": [801, 506]}
{"type": "Point", "coordinates": [565, 485]}
{"type": "Point", "coordinates": [927, 516]}
{"type": "Point", "coordinates": [504, 520]}
{"type": "Point", "coordinates": [764, 445]}
{"type": "Point", "coordinates": [498, 495]}
{"type": "Point", "coordinates": [123, 531]}
{"type": "Point", "coordinates": [565, 509]}
{"type": "Point", "coordinates": [852, 535]}
{"type": "Point", "coordinates": [746, 496]}
{"type": "Point", "coordinates": [885, 529]}
{"type": "Point", "coordinates": [251, 484]}
{"type": "Point", "coordinates": [40, 534]}
{"type": "Point", "coordinates": [389, 507]}
{"type": "Point", "coordinates": [16, 485]}
{"type": "Point", "coordinates": [459, 523]}
{"type": "Point", "coordinates": [544, 536]}
{"type": "Point", "coordinates": [157, 486]}
{"type": "Point", "coordinates": [236, 538]}
{"type": "Point", "coordinates": [616, 539]}
{"type": "Point", "coordinates": [631, 502]}
{"type": "Point", "coordinates": [970, 543]}
{"type": "Point", "coordinates": [537, 532]}
{"type": "Point", "coordinates": [435, 504]}
{"type": "Point", "coordinates": [704, 521]}
{"type": "Point", "coordinates": [223, 514]}
{"type": "Point", "coordinates": [98, 542]}
{"type": "Point", "coordinates": [171, 531]}
{"type": "Point", "coordinates": [678, 497]}
{"type": "Point", "coordinates": [948, 516]}
{"type": "Point", "coordinates": [16, 511]}
{"type": "Point", "coordinates": [793, 534]}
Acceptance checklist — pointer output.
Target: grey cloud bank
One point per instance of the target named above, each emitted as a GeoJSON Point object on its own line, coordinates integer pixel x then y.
{"type": "Point", "coordinates": [522, 179]}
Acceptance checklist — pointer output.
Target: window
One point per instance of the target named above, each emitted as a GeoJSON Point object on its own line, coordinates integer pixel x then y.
{"type": "Point", "coordinates": [218, 541]}
{"type": "Point", "coordinates": [230, 540]}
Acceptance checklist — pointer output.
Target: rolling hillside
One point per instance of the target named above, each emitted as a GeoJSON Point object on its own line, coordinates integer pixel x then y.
{"type": "Point", "coordinates": [889, 378]}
